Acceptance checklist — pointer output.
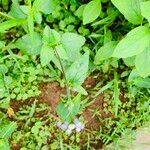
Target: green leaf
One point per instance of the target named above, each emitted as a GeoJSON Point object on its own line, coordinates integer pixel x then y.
{"type": "Point", "coordinates": [11, 23]}
{"type": "Point", "coordinates": [72, 43]}
{"type": "Point", "coordinates": [25, 44]}
{"type": "Point", "coordinates": [142, 63]}
{"type": "Point", "coordinates": [6, 131]}
{"type": "Point", "coordinates": [47, 54]}
{"type": "Point", "coordinates": [105, 52]}
{"type": "Point", "coordinates": [31, 25]}
{"type": "Point", "coordinates": [75, 107]}
{"type": "Point", "coordinates": [142, 82]}
{"type": "Point", "coordinates": [92, 11]}
{"type": "Point", "coordinates": [45, 6]}
{"type": "Point", "coordinates": [77, 72]}
{"type": "Point", "coordinates": [145, 9]}
{"type": "Point", "coordinates": [61, 52]}
{"type": "Point", "coordinates": [17, 11]}
{"type": "Point", "coordinates": [51, 36]}
{"type": "Point", "coordinates": [134, 43]}
{"type": "Point", "coordinates": [2, 44]}
{"type": "Point", "coordinates": [79, 11]}
{"type": "Point", "coordinates": [7, 80]}
{"type": "Point", "coordinates": [4, 144]}
{"type": "Point", "coordinates": [80, 89]}
{"type": "Point", "coordinates": [130, 9]}
{"type": "Point", "coordinates": [130, 61]}
{"type": "Point", "coordinates": [38, 17]}
{"type": "Point", "coordinates": [63, 112]}
{"type": "Point", "coordinates": [3, 69]}
{"type": "Point", "coordinates": [67, 113]}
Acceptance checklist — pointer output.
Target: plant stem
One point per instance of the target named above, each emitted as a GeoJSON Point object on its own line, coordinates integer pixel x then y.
{"type": "Point", "coordinates": [6, 15]}
{"type": "Point", "coordinates": [63, 72]}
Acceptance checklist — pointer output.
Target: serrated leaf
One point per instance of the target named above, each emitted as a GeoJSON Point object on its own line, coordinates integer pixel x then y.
{"type": "Point", "coordinates": [105, 52]}
{"type": "Point", "coordinates": [11, 23]}
{"type": "Point", "coordinates": [142, 63]}
{"type": "Point", "coordinates": [130, 9]}
{"type": "Point", "coordinates": [145, 9]}
{"type": "Point", "coordinates": [47, 54]}
{"type": "Point", "coordinates": [6, 131]}
{"type": "Point", "coordinates": [25, 44]}
{"type": "Point", "coordinates": [91, 11]}
{"type": "Point", "coordinates": [134, 43]}
{"type": "Point", "coordinates": [72, 43]}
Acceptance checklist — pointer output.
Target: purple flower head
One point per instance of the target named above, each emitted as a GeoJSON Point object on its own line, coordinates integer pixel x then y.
{"type": "Point", "coordinates": [76, 121]}
{"type": "Point", "coordinates": [58, 124]}
{"type": "Point", "coordinates": [64, 126]}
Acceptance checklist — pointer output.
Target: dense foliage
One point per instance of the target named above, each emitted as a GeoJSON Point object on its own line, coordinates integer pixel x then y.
{"type": "Point", "coordinates": [67, 41]}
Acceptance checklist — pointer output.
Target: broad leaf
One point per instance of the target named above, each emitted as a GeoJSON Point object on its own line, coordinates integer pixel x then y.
{"type": "Point", "coordinates": [11, 23]}
{"type": "Point", "coordinates": [4, 144]}
{"type": "Point", "coordinates": [105, 52]}
{"type": "Point", "coordinates": [79, 11]}
{"type": "Point", "coordinates": [142, 82]}
{"type": "Point", "coordinates": [25, 44]}
{"type": "Point", "coordinates": [77, 72]}
{"type": "Point", "coordinates": [67, 113]}
{"type": "Point", "coordinates": [145, 9]}
{"type": "Point", "coordinates": [17, 11]}
{"type": "Point", "coordinates": [6, 131]}
{"type": "Point", "coordinates": [130, 61]}
{"type": "Point", "coordinates": [130, 9]}
{"type": "Point", "coordinates": [45, 6]}
{"type": "Point", "coordinates": [47, 54]}
{"type": "Point", "coordinates": [72, 43]}
{"type": "Point", "coordinates": [91, 11]}
{"type": "Point", "coordinates": [142, 63]}
{"type": "Point", "coordinates": [51, 36]}
{"type": "Point", "coordinates": [3, 69]}
{"type": "Point", "coordinates": [134, 43]}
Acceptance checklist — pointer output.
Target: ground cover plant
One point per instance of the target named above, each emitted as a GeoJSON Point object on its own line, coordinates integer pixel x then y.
{"type": "Point", "coordinates": [73, 74]}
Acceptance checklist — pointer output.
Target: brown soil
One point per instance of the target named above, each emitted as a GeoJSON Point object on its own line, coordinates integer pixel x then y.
{"type": "Point", "coordinates": [93, 122]}
{"type": "Point", "coordinates": [51, 93]}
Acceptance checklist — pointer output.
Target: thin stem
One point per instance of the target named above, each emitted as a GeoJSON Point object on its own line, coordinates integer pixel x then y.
{"type": "Point", "coordinates": [6, 15]}
{"type": "Point", "coordinates": [63, 71]}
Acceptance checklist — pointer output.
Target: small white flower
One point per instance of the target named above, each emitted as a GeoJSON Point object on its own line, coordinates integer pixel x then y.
{"type": "Point", "coordinates": [82, 126]}
{"type": "Point", "coordinates": [71, 127]}
{"type": "Point", "coordinates": [58, 124]}
{"type": "Point", "coordinates": [79, 124]}
{"type": "Point", "coordinates": [64, 126]}
{"type": "Point", "coordinates": [78, 129]}
{"type": "Point", "coordinates": [76, 121]}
